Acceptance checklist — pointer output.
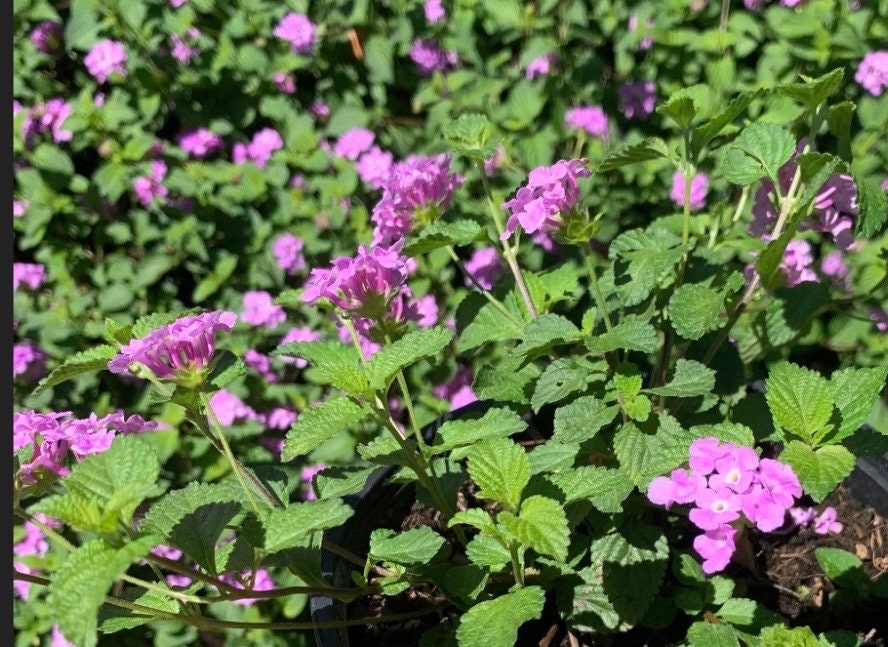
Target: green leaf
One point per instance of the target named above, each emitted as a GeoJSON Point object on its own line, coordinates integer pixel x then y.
{"type": "Point", "coordinates": [872, 211]}
{"type": "Point", "coordinates": [839, 120]}
{"type": "Point", "coordinates": [193, 518]}
{"type": "Point", "coordinates": [541, 524]}
{"type": "Point", "coordinates": [606, 488]}
{"type": "Point", "coordinates": [706, 132]}
{"type": "Point", "coordinates": [707, 634]}
{"type": "Point", "coordinates": [103, 490]}
{"type": "Point", "coordinates": [855, 392]}
{"type": "Point", "coordinates": [843, 568]}
{"type": "Point", "coordinates": [560, 378]}
{"type": "Point", "coordinates": [52, 159]}
{"type": "Point", "coordinates": [744, 612]}
{"type": "Point", "coordinates": [475, 517]}
{"type": "Point", "coordinates": [82, 28]}
{"type": "Point", "coordinates": [416, 546]}
{"type": "Point", "coordinates": [737, 167]}
{"type": "Point", "coordinates": [319, 423]}
{"type": "Point", "coordinates": [679, 108]}
{"type": "Point", "coordinates": [113, 619]}
{"type": "Point", "coordinates": [648, 149]}
{"type": "Point", "coordinates": [471, 135]}
{"type": "Point", "coordinates": [495, 623]}
{"type": "Point", "coordinates": [691, 379]}
{"type": "Point", "coordinates": [644, 456]}
{"type": "Point", "coordinates": [501, 470]}
{"type": "Point", "coordinates": [227, 367]}
{"type": "Point", "coordinates": [800, 400]}
{"type": "Point", "coordinates": [580, 420]}
{"type": "Point", "coordinates": [378, 59]}
{"type": "Point", "coordinates": [553, 456]}
{"type": "Point", "coordinates": [88, 361]}
{"type": "Point", "coordinates": [289, 527]}
{"type": "Point", "coordinates": [768, 263]}
{"type": "Point", "coordinates": [442, 234]}
{"type": "Point", "coordinates": [694, 310]}
{"type": "Point", "coordinates": [408, 350]}
{"type": "Point", "coordinates": [78, 587]}
{"type": "Point", "coordinates": [631, 333]}
{"type": "Point", "coordinates": [813, 92]}
{"type": "Point", "coordinates": [487, 551]}
{"type": "Point", "coordinates": [495, 423]}
{"type": "Point", "coordinates": [768, 144]}
{"type": "Point", "coordinates": [462, 584]}
{"type": "Point", "coordinates": [643, 258]}
{"type": "Point", "coordinates": [506, 380]}
{"type": "Point", "coordinates": [341, 481]}
{"type": "Point", "coordinates": [819, 471]}
{"type": "Point", "coordinates": [546, 331]}
{"type": "Point", "coordinates": [489, 325]}
{"type": "Point", "coordinates": [726, 432]}
{"type": "Point", "coordinates": [331, 363]}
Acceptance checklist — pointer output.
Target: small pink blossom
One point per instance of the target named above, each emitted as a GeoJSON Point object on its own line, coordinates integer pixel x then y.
{"type": "Point", "coordinates": [261, 364]}
{"type": "Point", "coordinates": [872, 72]}
{"type": "Point", "coordinates": [647, 40]}
{"type": "Point", "coordinates": [284, 81]}
{"type": "Point", "coordinates": [260, 309]}
{"type": "Point", "coordinates": [681, 487]}
{"type": "Point", "coordinates": [353, 142]}
{"type": "Point", "coordinates": [228, 408]}
{"type": "Point", "coordinates": [287, 250]}
{"type": "Point", "coordinates": [28, 361]}
{"type": "Point", "coordinates": [19, 208]}
{"type": "Point", "coordinates": [485, 266]}
{"type": "Point", "coordinates": [200, 142]}
{"type": "Point", "coordinates": [308, 474]}
{"type": "Point", "coordinates": [494, 162]}
{"type": "Point", "coordinates": [540, 66]}
{"type": "Point", "coordinates": [106, 57]}
{"type": "Point", "coordinates": [551, 193]}
{"type": "Point", "coordinates": [458, 390]}
{"type": "Point", "coordinates": [261, 581]}
{"type": "Point", "coordinates": [797, 263]}
{"type": "Point", "coordinates": [47, 37]}
{"type": "Point", "coordinates": [699, 189]}
{"type": "Point", "coordinates": [149, 188]}
{"type": "Point", "coordinates": [591, 119]}
{"type": "Point", "coordinates": [32, 275]}
{"type": "Point", "coordinates": [374, 167]}
{"type": "Point", "coordinates": [297, 30]}
{"type": "Point", "coordinates": [281, 418]}
{"type": "Point", "coordinates": [638, 99]}
{"type": "Point", "coordinates": [433, 10]}
{"type": "Point", "coordinates": [716, 547]}
{"type": "Point", "coordinates": [184, 48]}
{"type": "Point", "coordinates": [826, 523]}
{"type": "Point", "coordinates": [430, 58]}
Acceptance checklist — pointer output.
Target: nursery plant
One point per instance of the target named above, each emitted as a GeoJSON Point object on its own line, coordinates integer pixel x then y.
{"type": "Point", "coordinates": [562, 330]}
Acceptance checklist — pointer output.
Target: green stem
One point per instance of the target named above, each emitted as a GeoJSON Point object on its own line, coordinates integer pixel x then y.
{"type": "Point", "coordinates": [596, 290]}
{"type": "Point", "coordinates": [517, 571]}
{"type": "Point", "coordinates": [486, 293]}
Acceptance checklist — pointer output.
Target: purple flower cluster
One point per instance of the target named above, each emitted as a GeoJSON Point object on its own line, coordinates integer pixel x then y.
{"type": "Point", "coordinates": [33, 544]}
{"type": "Point", "coordinates": [28, 361]}
{"type": "Point", "coordinates": [260, 581]}
{"type": "Point", "coordinates": [823, 524]}
{"type": "Point", "coordinates": [374, 167]}
{"type": "Point", "coordinates": [52, 435]}
{"type": "Point", "coordinates": [835, 205]}
{"type": "Point", "coordinates": [485, 266]}
{"type": "Point", "coordinates": [297, 30]}
{"type": "Point", "coordinates": [699, 189]}
{"type": "Point", "coordinates": [106, 57]}
{"type": "Point", "coordinates": [353, 142]}
{"type": "Point", "coordinates": [430, 58]}
{"type": "Point", "coordinates": [183, 346]}
{"type": "Point", "coordinates": [47, 118]}
{"type": "Point", "coordinates": [458, 390]}
{"type": "Point", "coordinates": [284, 81]}
{"type": "Point", "coordinates": [260, 309]}
{"type": "Point", "coordinates": [150, 187]}
{"type": "Point", "coordinates": [47, 37]}
{"type": "Point", "coordinates": [550, 193]}
{"type": "Point", "coordinates": [287, 250]}
{"type": "Point", "coordinates": [724, 483]}
{"type": "Point", "coordinates": [228, 408]}
{"type": "Point", "coordinates": [184, 48]}
{"type": "Point", "coordinates": [591, 119]}
{"type": "Point", "coordinates": [434, 11]}
{"type": "Point", "coordinates": [638, 99]}
{"type": "Point", "coordinates": [259, 150]}
{"type": "Point", "coordinates": [540, 66]}
{"type": "Point", "coordinates": [31, 275]}
{"type": "Point", "coordinates": [200, 142]}
{"type": "Point", "coordinates": [417, 189]}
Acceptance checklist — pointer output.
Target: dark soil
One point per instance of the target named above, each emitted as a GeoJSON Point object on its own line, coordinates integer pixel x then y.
{"type": "Point", "coordinates": [780, 571]}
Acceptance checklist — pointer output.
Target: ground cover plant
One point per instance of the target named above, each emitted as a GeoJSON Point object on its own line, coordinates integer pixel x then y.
{"type": "Point", "coordinates": [449, 323]}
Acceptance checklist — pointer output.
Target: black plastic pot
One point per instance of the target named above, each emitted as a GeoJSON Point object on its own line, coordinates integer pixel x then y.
{"type": "Point", "coordinates": [378, 498]}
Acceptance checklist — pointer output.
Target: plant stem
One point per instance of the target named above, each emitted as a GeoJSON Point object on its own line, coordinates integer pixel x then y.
{"type": "Point", "coordinates": [486, 293]}
{"type": "Point", "coordinates": [517, 571]}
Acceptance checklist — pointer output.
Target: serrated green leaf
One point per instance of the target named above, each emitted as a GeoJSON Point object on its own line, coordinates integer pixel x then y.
{"type": "Point", "coordinates": [495, 623]}
{"type": "Point", "coordinates": [227, 367]}
{"type": "Point", "coordinates": [52, 159]}
{"type": "Point", "coordinates": [416, 546]}
{"type": "Point", "coordinates": [591, 610]}
{"type": "Point", "coordinates": [341, 481]}
{"type": "Point", "coordinates": [546, 331]}
{"type": "Point", "coordinates": [582, 419]}
{"type": "Point", "coordinates": [648, 149]}
{"type": "Point", "coordinates": [768, 144]}
{"type": "Point", "coordinates": [471, 135]}
{"type": "Point", "coordinates": [106, 488]}
{"type": "Point", "coordinates": [506, 380]}
{"type": "Point", "coordinates": [706, 132]}
{"type": "Point", "coordinates": [800, 401]}
{"type": "Point", "coordinates": [726, 432]}
{"type": "Point", "coordinates": [791, 309]}
{"type": "Point", "coordinates": [501, 470]}
{"type": "Point", "coordinates": [383, 449]}
{"type": "Point", "coordinates": [475, 517]}
{"type": "Point", "coordinates": [737, 167]}
{"type": "Point", "coordinates": [408, 350]}
{"type": "Point", "coordinates": [495, 423]}
{"type": "Point", "coordinates": [644, 456]}
{"type": "Point", "coordinates": [289, 527]}
{"type": "Point", "coordinates": [819, 471]}
{"type": "Point", "coordinates": [642, 259]}
{"type": "Point", "coordinates": [694, 310]}
{"type": "Point", "coordinates": [442, 234]}
{"type": "Point", "coordinates": [560, 378]}
{"type": "Point", "coordinates": [331, 363]}
{"type": "Point", "coordinates": [605, 487]}
{"type": "Point", "coordinates": [839, 120]}
{"type": "Point", "coordinates": [680, 109]}
{"type": "Point", "coordinates": [782, 636]}
{"type": "Point", "coordinates": [690, 379]}
{"type": "Point", "coordinates": [88, 361]}
{"type": "Point", "coordinates": [319, 423]}
{"type": "Point", "coordinates": [813, 92]}
{"type": "Point", "coordinates": [872, 209]}
{"type": "Point", "coordinates": [743, 612]}
{"type": "Point", "coordinates": [489, 325]}
{"type": "Point", "coordinates": [484, 550]}
{"type": "Point", "coordinates": [541, 524]}
{"type": "Point", "coordinates": [113, 619]}
{"type": "Point", "coordinates": [631, 333]}
{"type": "Point", "coordinates": [855, 391]}
{"type": "Point", "coordinates": [193, 519]}
{"type": "Point", "coordinates": [553, 456]}
{"type": "Point", "coordinates": [707, 634]}
{"type": "Point", "coordinates": [77, 588]}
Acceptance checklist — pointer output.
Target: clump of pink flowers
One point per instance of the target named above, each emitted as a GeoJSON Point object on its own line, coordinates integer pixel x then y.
{"type": "Point", "coordinates": [184, 47]}
{"type": "Point", "coordinates": [150, 187]}
{"type": "Point", "coordinates": [28, 361]}
{"type": "Point", "coordinates": [430, 58]}
{"type": "Point", "coordinates": [417, 189]}
{"type": "Point", "coordinates": [106, 57]}
{"type": "Point", "coordinates": [485, 266]}
{"type": "Point", "coordinates": [177, 349]}
{"type": "Point", "coordinates": [551, 192]}
{"type": "Point", "coordinates": [727, 483]}
{"type": "Point", "coordinates": [540, 66]}
{"type": "Point", "coordinates": [353, 142]}
{"type": "Point", "coordinates": [297, 30]}
{"type": "Point", "coordinates": [823, 523]}
{"type": "Point", "coordinates": [374, 167]}
{"type": "Point", "coordinates": [31, 275]}
{"type": "Point", "coordinates": [433, 10]}
{"type": "Point", "coordinates": [200, 142]}
{"type": "Point", "coordinates": [287, 250]}
{"type": "Point", "coordinates": [699, 189]}
{"type": "Point", "coordinates": [260, 309]}
{"type": "Point", "coordinates": [591, 119]}
{"type": "Point", "coordinates": [872, 72]}
{"type": "Point", "coordinates": [259, 150]}
{"type": "Point", "coordinates": [47, 118]}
